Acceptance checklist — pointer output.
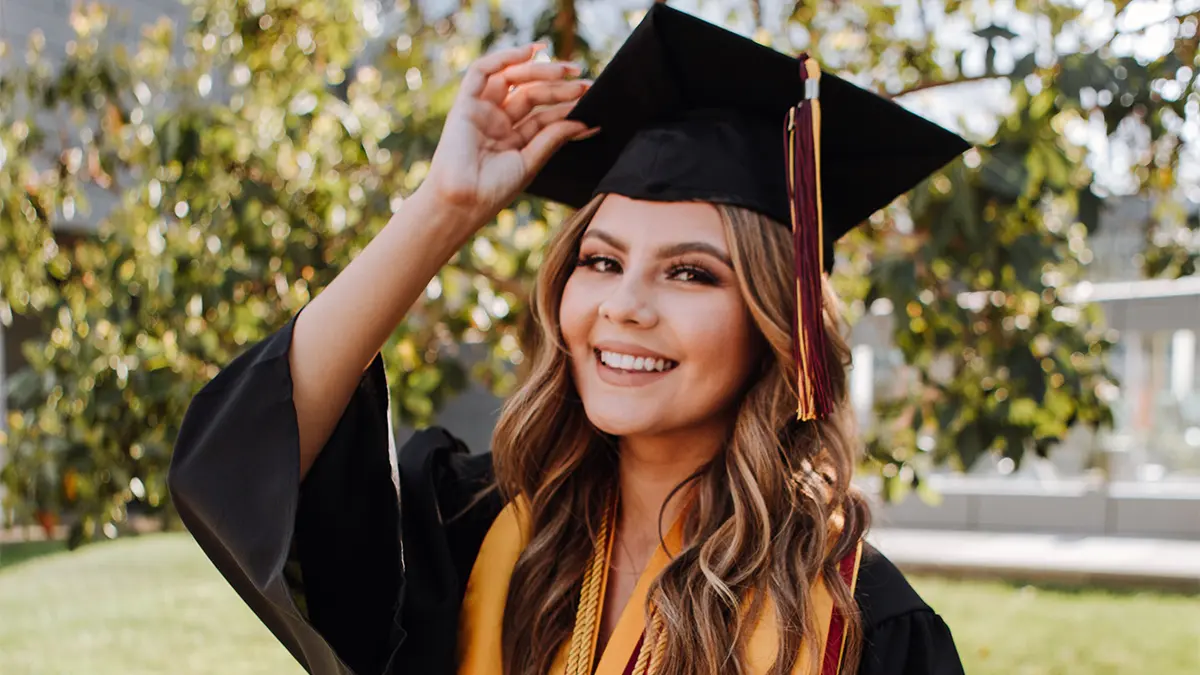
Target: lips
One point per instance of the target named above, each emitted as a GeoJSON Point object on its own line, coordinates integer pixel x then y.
{"type": "Point", "coordinates": [622, 377]}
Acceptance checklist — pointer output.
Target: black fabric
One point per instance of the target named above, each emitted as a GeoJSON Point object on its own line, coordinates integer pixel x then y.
{"type": "Point", "coordinates": [675, 69]}
{"type": "Point", "coordinates": [383, 575]}
{"type": "Point", "coordinates": [370, 605]}
{"type": "Point", "coordinates": [348, 533]}
{"type": "Point", "coordinates": [438, 480]}
{"type": "Point", "coordinates": [709, 155]}
{"type": "Point", "coordinates": [234, 479]}
{"type": "Point", "coordinates": [903, 635]}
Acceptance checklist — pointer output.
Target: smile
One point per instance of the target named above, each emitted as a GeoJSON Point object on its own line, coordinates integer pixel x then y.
{"type": "Point", "coordinates": [629, 363]}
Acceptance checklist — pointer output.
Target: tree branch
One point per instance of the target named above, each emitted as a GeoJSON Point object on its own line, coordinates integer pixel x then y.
{"type": "Point", "coordinates": [565, 22]}
{"type": "Point", "coordinates": [925, 86]}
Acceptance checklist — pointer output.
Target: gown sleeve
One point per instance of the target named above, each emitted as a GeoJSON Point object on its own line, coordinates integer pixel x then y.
{"type": "Point", "coordinates": [902, 634]}
{"type": "Point", "coordinates": [348, 580]}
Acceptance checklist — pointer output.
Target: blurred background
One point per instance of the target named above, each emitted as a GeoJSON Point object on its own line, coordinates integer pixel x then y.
{"type": "Point", "coordinates": [178, 179]}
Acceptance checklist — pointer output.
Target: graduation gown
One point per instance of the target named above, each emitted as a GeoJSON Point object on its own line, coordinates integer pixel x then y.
{"type": "Point", "coordinates": [361, 568]}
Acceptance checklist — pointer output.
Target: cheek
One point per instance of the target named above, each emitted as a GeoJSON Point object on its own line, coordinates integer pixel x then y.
{"type": "Point", "coordinates": [575, 315]}
{"type": "Point", "coordinates": [719, 339]}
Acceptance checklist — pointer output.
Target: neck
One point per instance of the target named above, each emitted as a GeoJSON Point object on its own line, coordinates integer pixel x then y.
{"type": "Point", "coordinates": [650, 470]}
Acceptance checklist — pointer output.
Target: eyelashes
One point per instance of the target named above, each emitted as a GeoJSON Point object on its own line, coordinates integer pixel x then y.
{"type": "Point", "coordinates": [686, 272]}
{"type": "Point", "coordinates": [594, 262]}
{"type": "Point", "coordinates": [697, 274]}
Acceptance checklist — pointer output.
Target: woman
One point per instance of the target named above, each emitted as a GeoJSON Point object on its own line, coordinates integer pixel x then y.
{"type": "Point", "coordinates": [658, 506]}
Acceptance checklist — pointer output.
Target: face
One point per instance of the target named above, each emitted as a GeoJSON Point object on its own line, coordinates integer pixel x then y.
{"type": "Point", "coordinates": [660, 338]}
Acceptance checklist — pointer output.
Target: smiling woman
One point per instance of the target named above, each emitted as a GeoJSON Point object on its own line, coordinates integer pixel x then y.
{"type": "Point", "coordinates": [698, 288]}
{"type": "Point", "coordinates": [669, 489]}
{"type": "Point", "coordinates": [654, 281]}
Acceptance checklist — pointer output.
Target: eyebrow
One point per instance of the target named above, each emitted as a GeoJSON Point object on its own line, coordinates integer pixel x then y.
{"type": "Point", "coordinates": [668, 251]}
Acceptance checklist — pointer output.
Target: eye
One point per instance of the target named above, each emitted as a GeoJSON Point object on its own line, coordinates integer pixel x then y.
{"type": "Point", "coordinates": [598, 263]}
{"type": "Point", "coordinates": [693, 274]}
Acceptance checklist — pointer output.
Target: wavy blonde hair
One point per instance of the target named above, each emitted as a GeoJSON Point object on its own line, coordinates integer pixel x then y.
{"type": "Point", "coordinates": [761, 521]}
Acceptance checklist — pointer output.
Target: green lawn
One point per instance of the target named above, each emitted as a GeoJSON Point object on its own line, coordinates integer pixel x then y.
{"type": "Point", "coordinates": [11, 554]}
{"type": "Point", "coordinates": [1002, 629]}
{"type": "Point", "coordinates": [155, 605]}
{"type": "Point", "coordinates": [150, 604]}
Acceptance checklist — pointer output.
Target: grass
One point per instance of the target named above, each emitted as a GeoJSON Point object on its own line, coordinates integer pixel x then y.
{"type": "Point", "coordinates": [155, 605]}
{"type": "Point", "coordinates": [1000, 628]}
{"type": "Point", "coordinates": [150, 604]}
{"type": "Point", "coordinates": [18, 552]}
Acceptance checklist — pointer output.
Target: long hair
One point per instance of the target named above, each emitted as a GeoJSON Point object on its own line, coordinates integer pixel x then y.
{"type": "Point", "coordinates": [763, 512]}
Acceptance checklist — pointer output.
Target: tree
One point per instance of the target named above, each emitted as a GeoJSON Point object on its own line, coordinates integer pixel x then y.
{"type": "Point", "coordinates": [977, 263]}
{"type": "Point", "coordinates": [253, 162]}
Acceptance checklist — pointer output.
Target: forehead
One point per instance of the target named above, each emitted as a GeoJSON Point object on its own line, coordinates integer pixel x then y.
{"type": "Point", "coordinates": [639, 222]}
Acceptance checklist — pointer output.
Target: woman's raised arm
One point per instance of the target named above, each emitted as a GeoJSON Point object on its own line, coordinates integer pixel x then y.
{"type": "Point", "coordinates": [508, 119]}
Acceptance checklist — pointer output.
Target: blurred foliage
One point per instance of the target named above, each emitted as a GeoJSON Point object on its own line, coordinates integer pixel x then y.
{"type": "Point", "coordinates": [976, 265]}
{"type": "Point", "coordinates": [249, 155]}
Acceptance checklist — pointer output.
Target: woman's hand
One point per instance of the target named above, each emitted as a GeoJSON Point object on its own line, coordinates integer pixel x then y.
{"type": "Point", "coordinates": [508, 119]}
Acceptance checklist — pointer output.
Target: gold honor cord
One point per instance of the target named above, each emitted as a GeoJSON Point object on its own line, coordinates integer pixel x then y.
{"type": "Point", "coordinates": [591, 600]}
{"type": "Point", "coordinates": [582, 653]}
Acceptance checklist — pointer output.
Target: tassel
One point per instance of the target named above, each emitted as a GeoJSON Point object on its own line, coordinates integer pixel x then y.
{"type": "Point", "coordinates": [803, 143]}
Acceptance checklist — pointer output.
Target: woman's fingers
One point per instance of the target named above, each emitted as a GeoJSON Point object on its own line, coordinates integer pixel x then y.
{"type": "Point", "coordinates": [527, 131]}
{"type": "Point", "coordinates": [524, 133]}
{"type": "Point", "coordinates": [549, 139]}
{"type": "Point", "coordinates": [500, 84]}
{"type": "Point", "coordinates": [532, 71]}
{"type": "Point", "coordinates": [521, 134]}
{"type": "Point", "coordinates": [526, 97]}
{"type": "Point", "coordinates": [484, 67]}
{"type": "Point", "coordinates": [520, 104]}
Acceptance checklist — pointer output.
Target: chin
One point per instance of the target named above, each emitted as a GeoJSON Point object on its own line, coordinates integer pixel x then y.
{"type": "Point", "coordinates": [623, 421]}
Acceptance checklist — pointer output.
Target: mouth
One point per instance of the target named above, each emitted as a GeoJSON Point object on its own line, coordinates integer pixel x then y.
{"type": "Point", "coordinates": [618, 362]}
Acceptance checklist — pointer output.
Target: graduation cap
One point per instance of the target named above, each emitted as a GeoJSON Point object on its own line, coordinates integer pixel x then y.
{"type": "Point", "coordinates": [689, 111]}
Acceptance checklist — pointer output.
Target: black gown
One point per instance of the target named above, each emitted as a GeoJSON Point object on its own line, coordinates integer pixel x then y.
{"type": "Point", "coordinates": [361, 568]}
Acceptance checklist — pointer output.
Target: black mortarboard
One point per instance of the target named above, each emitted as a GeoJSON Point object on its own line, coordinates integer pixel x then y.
{"type": "Point", "coordinates": [689, 111]}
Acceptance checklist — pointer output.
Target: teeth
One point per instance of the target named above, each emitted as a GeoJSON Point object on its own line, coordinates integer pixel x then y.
{"type": "Point", "coordinates": [639, 363]}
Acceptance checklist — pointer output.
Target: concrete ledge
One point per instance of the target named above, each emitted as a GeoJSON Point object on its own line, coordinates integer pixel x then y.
{"type": "Point", "coordinates": [1068, 506]}
{"type": "Point", "coordinates": [1166, 516]}
{"type": "Point", "coordinates": [1045, 512]}
{"type": "Point", "coordinates": [953, 513]}
{"type": "Point", "coordinates": [1078, 560]}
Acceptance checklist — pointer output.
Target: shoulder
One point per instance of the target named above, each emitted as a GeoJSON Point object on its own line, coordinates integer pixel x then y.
{"type": "Point", "coordinates": [882, 591]}
{"type": "Point", "coordinates": [444, 485]}
{"type": "Point", "coordinates": [508, 532]}
{"type": "Point", "coordinates": [447, 503]}
{"type": "Point", "coordinates": [436, 456]}
{"type": "Point", "coordinates": [902, 634]}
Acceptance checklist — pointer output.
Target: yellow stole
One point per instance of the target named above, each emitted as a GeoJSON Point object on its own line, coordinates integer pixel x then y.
{"type": "Point", "coordinates": [479, 649]}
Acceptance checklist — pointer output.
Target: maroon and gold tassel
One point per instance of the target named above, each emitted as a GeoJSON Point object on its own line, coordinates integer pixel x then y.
{"type": "Point", "coordinates": [804, 196]}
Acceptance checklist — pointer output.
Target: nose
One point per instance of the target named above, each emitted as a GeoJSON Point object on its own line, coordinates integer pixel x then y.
{"type": "Point", "coordinates": [629, 303]}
